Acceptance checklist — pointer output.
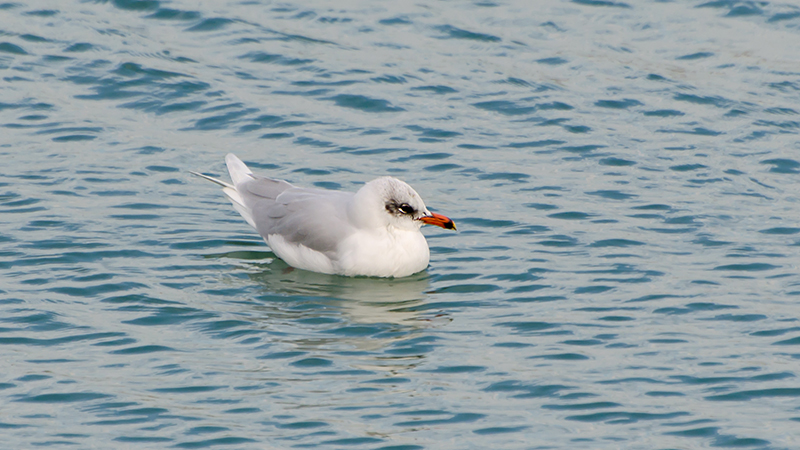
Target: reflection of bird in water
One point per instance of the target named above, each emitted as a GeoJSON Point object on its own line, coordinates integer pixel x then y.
{"type": "Point", "coordinates": [318, 314]}
{"type": "Point", "coordinates": [365, 300]}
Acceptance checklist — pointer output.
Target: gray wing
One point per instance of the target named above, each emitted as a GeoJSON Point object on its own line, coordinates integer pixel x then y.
{"type": "Point", "coordinates": [315, 218]}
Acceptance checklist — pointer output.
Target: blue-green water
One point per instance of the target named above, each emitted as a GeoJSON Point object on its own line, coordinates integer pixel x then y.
{"type": "Point", "coordinates": [624, 176]}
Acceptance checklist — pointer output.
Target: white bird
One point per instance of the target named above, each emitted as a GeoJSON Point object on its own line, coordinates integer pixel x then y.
{"type": "Point", "coordinates": [374, 232]}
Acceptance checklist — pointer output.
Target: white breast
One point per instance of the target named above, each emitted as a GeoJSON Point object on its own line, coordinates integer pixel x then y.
{"type": "Point", "coordinates": [388, 252]}
{"type": "Point", "coordinates": [385, 252]}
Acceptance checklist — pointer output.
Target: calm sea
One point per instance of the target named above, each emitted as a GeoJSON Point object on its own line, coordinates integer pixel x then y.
{"type": "Point", "coordinates": [624, 176]}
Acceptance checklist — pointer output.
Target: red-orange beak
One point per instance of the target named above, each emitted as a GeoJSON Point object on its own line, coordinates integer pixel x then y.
{"type": "Point", "coordinates": [439, 220]}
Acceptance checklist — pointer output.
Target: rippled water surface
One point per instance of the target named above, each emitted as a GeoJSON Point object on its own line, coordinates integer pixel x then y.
{"type": "Point", "coordinates": [624, 176]}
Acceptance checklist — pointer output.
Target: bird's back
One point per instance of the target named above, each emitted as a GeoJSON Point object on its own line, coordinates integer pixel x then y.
{"type": "Point", "coordinates": [314, 218]}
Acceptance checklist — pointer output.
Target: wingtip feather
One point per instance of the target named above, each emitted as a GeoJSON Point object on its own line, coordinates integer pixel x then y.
{"type": "Point", "coordinates": [211, 179]}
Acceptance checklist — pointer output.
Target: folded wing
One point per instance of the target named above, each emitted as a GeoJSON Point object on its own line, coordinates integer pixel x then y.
{"type": "Point", "coordinates": [314, 218]}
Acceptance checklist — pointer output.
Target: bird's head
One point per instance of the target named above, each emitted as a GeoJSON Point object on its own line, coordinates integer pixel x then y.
{"type": "Point", "coordinates": [387, 201]}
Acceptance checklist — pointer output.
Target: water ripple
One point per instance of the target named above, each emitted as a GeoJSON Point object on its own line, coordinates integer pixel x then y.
{"type": "Point", "coordinates": [623, 266]}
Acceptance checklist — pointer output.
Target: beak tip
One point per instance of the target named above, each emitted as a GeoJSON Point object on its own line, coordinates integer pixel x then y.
{"type": "Point", "coordinates": [439, 220]}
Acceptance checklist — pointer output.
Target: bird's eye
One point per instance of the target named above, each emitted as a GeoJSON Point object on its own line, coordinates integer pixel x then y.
{"type": "Point", "coordinates": [406, 208]}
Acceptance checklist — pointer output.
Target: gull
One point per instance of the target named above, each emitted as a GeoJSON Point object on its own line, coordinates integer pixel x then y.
{"type": "Point", "coordinates": [373, 232]}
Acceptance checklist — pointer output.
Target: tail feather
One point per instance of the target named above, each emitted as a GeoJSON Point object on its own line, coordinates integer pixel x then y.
{"type": "Point", "coordinates": [238, 170]}
{"type": "Point", "coordinates": [230, 189]}
{"type": "Point", "coordinates": [238, 205]}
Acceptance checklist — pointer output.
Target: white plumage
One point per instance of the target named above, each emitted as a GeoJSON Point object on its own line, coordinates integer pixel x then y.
{"type": "Point", "coordinates": [372, 232]}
